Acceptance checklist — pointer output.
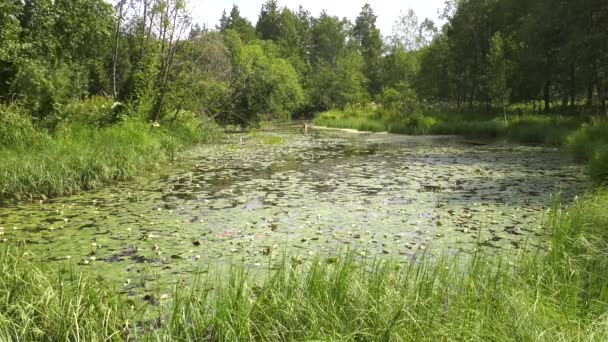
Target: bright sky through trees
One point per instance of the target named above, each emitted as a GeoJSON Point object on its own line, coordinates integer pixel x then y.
{"type": "Point", "coordinates": [208, 12]}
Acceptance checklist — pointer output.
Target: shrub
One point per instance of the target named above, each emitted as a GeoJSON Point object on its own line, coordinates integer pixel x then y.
{"type": "Point", "coordinates": [17, 131]}
{"type": "Point", "coordinates": [94, 112]}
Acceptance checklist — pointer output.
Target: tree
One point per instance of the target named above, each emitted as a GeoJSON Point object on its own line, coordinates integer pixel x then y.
{"type": "Point", "coordinates": [237, 23]}
{"type": "Point", "coordinates": [328, 40]}
{"type": "Point", "coordinates": [263, 87]}
{"type": "Point", "coordinates": [370, 43]}
{"type": "Point", "coordinates": [203, 71]}
{"type": "Point", "coordinates": [174, 22]}
{"type": "Point", "coordinates": [10, 44]}
{"type": "Point", "coordinates": [268, 25]}
{"type": "Point", "coordinates": [498, 72]}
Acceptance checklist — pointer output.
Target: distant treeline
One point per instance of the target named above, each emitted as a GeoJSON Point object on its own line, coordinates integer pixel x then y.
{"type": "Point", "coordinates": [148, 57]}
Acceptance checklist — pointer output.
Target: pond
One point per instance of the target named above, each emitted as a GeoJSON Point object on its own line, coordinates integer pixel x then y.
{"type": "Point", "coordinates": [254, 199]}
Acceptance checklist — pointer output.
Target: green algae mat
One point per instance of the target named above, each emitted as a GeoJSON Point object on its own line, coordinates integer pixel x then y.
{"type": "Point", "coordinates": [257, 199]}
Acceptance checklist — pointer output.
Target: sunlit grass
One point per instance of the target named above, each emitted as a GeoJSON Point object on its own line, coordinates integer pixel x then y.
{"type": "Point", "coordinates": [588, 142]}
{"type": "Point", "coordinates": [77, 157]}
{"type": "Point", "coordinates": [534, 129]}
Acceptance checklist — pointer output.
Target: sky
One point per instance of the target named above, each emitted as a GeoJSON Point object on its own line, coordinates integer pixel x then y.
{"type": "Point", "coordinates": [208, 12]}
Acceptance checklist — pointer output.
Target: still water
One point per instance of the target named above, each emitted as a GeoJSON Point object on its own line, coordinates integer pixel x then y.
{"type": "Point", "coordinates": [255, 199]}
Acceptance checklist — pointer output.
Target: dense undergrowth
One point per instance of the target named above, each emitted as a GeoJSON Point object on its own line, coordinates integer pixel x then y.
{"type": "Point", "coordinates": [85, 147]}
{"type": "Point", "coordinates": [588, 141]}
{"type": "Point", "coordinates": [560, 294]}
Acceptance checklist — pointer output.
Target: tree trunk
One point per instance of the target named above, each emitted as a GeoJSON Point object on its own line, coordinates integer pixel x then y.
{"type": "Point", "coordinates": [471, 99]}
{"type": "Point", "coordinates": [572, 85]}
{"type": "Point", "coordinates": [547, 95]}
{"type": "Point", "coordinates": [115, 52]}
{"type": "Point", "coordinates": [600, 98]}
{"type": "Point", "coordinates": [590, 95]}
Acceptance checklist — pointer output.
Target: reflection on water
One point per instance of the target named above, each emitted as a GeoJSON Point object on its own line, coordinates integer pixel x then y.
{"type": "Point", "coordinates": [381, 194]}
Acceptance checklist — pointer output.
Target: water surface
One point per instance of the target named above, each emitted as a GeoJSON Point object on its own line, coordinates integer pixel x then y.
{"type": "Point", "coordinates": [317, 192]}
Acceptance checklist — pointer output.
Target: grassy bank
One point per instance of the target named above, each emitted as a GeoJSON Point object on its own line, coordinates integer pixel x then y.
{"type": "Point", "coordinates": [558, 294]}
{"type": "Point", "coordinates": [83, 152]}
{"type": "Point", "coordinates": [588, 142]}
{"type": "Point", "coordinates": [543, 129]}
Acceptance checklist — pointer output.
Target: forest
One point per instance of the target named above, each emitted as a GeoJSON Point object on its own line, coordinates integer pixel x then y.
{"type": "Point", "coordinates": [119, 115]}
{"type": "Point", "coordinates": [88, 64]}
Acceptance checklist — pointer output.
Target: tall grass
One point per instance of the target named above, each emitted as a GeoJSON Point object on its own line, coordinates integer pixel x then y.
{"type": "Point", "coordinates": [557, 294]}
{"type": "Point", "coordinates": [37, 304]}
{"type": "Point", "coordinates": [77, 156]}
{"type": "Point", "coordinates": [536, 129]}
{"type": "Point", "coordinates": [590, 144]}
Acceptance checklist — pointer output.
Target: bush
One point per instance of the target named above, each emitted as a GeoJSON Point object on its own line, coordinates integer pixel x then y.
{"type": "Point", "coordinates": [585, 140]}
{"type": "Point", "coordinates": [42, 88]}
{"type": "Point", "coordinates": [17, 131]}
{"type": "Point", "coordinates": [94, 112]}
{"type": "Point", "coordinates": [598, 165]}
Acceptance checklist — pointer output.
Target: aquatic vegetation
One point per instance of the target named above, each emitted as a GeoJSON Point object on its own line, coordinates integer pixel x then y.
{"type": "Point", "coordinates": [388, 196]}
{"type": "Point", "coordinates": [327, 236]}
{"type": "Point", "coordinates": [559, 294]}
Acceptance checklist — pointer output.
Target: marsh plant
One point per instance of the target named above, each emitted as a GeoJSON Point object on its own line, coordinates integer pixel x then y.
{"type": "Point", "coordinates": [555, 294]}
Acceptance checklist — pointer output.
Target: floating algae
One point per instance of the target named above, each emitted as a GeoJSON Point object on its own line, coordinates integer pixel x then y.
{"type": "Point", "coordinates": [383, 195]}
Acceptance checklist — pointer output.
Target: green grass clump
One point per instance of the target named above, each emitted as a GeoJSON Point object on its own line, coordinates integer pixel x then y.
{"type": "Point", "coordinates": [531, 129]}
{"type": "Point", "coordinates": [79, 157]}
{"type": "Point", "coordinates": [541, 129]}
{"type": "Point", "coordinates": [590, 144]}
{"type": "Point", "coordinates": [353, 118]}
{"type": "Point", "coordinates": [557, 294]}
{"type": "Point", "coordinates": [38, 304]}
{"type": "Point", "coordinates": [17, 131]}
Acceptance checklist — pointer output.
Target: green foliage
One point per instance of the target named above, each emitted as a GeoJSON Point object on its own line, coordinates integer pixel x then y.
{"type": "Point", "coordinates": [81, 157]}
{"type": "Point", "coordinates": [402, 102]}
{"type": "Point", "coordinates": [339, 86]}
{"type": "Point", "coordinates": [266, 87]}
{"type": "Point", "coordinates": [498, 72]}
{"type": "Point", "coordinates": [268, 25]}
{"type": "Point", "coordinates": [370, 45]}
{"type": "Point", "coordinates": [10, 47]}
{"type": "Point", "coordinates": [598, 165]}
{"type": "Point", "coordinates": [236, 22]}
{"type": "Point", "coordinates": [17, 131]}
{"type": "Point", "coordinates": [202, 76]}
{"type": "Point", "coordinates": [60, 306]}
{"type": "Point", "coordinates": [94, 112]}
{"type": "Point", "coordinates": [590, 144]}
